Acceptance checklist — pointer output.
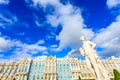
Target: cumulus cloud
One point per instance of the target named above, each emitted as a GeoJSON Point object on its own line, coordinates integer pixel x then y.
{"type": "Point", "coordinates": [113, 3]}
{"type": "Point", "coordinates": [30, 48]}
{"type": "Point", "coordinates": [45, 2]}
{"type": "Point", "coordinates": [4, 1]}
{"type": "Point", "coordinates": [19, 56]}
{"type": "Point", "coordinates": [73, 27]}
{"type": "Point", "coordinates": [21, 50]}
{"type": "Point", "coordinates": [53, 20]}
{"type": "Point", "coordinates": [73, 54]}
{"type": "Point", "coordinates": [5, 44]}
{"type": "Point", "coordinates": [72, 22]}
{"type": "Point", "coordinates": [109, 38]}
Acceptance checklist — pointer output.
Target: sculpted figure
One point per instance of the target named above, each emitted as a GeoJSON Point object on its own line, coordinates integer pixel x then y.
{"type": "Point", "coordinates": [92, 60]}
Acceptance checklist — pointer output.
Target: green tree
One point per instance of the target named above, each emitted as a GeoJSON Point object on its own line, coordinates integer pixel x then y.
{"type": "Point", "coordinates": [79, 78]}
{"type": "Point", "coordinates": [116, 75]}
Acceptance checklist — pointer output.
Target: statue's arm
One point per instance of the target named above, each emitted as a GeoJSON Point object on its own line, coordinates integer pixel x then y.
{"type": "Point", "coordinates": [82, 52]}
{"type": "Point", "coordinates": [93, 45]}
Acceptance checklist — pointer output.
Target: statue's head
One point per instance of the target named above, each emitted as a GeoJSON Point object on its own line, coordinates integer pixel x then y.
{"type": "Point", "coordinates": [82, 38]}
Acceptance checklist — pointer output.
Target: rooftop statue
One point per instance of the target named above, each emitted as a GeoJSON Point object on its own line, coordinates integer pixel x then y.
{"type": "Point", "coordinates": [92, 60]}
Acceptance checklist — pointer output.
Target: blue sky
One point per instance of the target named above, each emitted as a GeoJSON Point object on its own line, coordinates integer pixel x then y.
{"type": "Point", "coordinates": [31, 28]}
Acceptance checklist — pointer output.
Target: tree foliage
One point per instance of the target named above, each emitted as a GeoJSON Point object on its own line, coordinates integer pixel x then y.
{"type": "Point", "coordinates": [116, 75]}
{"type": "Point", "coordinates": [79, 78]}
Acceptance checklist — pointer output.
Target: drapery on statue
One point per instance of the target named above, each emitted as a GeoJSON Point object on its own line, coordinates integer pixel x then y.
{"type": "Point", "coordinates": [92, 60]}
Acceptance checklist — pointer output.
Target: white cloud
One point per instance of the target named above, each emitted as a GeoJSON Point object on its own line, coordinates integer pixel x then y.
{"type": "Point", "coordinates": [113, 3]}
{"type": "Point", "coordinates": [21, 50]}
{"type": "Point", "coordinates": [37, 20]}
{"type": "Point", "coordinates": [118, 18]}
{"type": "Point", "coordinates": [41, 57]}
{"type": "Point", "coordinates": [4, 1]}
{"type": "Point", "coordinates": [34, 49]}
{"type": "Point", "coordinates": [72, 23]}
{"type": "Point", "coordinates": [45, 2]}
{"type": "Point", "coordinates": [54, 46]}
{"type": "Point", "coordinates": [73, 54]}
{"type": "Point", "coordinates": [4, 21]}
{"type": "Point", "coordinates": [52, 19]}
{"type": "Point", "coordinates": [40, 42]}
{"type": "Point", "coordinates": [5, 44]}
{"type": "Point", "coordinates": [30, 48]}
{"type": "Point", "coordinates": [73, 26]}
{"type": "Point", "coordinates": [109, 38]}
{"type": "Point", "coordinates": [19, 56]}
{"type": "Point", "coordinates": [37, 23]}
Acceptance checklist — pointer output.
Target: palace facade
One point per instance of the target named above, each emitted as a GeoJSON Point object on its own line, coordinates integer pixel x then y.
{"type": "Point", "coordinates": [52, 69]}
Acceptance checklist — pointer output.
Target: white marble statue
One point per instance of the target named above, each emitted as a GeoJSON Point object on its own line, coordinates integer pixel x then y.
{"type": "Point", "coordinates": [92, 60]}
